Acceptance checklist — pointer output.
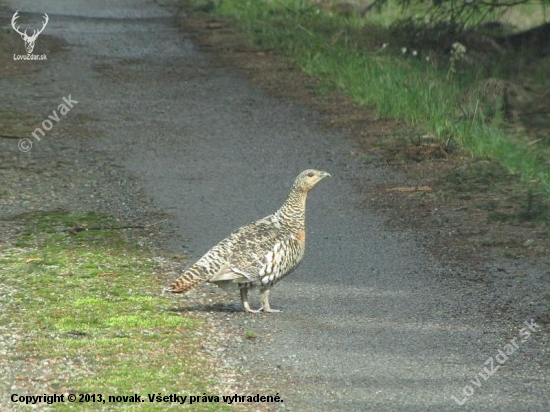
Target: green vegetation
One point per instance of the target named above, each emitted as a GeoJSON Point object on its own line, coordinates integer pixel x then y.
{"type": "Point", "coordinates": [459, 14]}
{"type": "Point", "coordinates": [250, 334]}
{"type": "Point", "coordinates": [90, 304]}
{"type": "Point", "coordinates": [454, 97]}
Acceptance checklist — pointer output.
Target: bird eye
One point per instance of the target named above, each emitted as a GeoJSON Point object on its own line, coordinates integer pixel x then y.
{"type": "Point", "coordinates": [310, 174]}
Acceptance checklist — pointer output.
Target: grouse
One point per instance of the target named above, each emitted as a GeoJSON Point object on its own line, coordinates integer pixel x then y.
{"type": "Point", "coordinates": [258, 254]}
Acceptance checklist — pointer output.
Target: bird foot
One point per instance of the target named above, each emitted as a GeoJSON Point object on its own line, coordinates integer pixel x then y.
{"type": "Point", "coordinates": [262, 309]}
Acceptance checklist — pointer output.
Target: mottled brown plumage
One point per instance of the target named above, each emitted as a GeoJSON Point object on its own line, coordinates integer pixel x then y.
{"type": "Point", "coordinates": [258, 254]}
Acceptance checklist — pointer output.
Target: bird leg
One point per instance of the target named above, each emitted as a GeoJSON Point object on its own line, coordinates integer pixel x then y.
{"type": "Point", "coordinates": [264, 296]}
{"type": "Point", "coordinates": [244, 298]}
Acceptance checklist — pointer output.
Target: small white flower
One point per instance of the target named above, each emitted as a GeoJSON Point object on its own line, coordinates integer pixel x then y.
{"type": "Point", "coordinates": [403, 50]}
{"type": "Point", "coordinates": [414, 53]}
{"type": "Point", "coordinates": [458, 48]}
{"type": "Point", "coordinates": [384, 45]}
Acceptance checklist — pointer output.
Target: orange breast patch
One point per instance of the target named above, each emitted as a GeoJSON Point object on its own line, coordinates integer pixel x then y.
{"type": "Point", "coordinates": [301, 236]}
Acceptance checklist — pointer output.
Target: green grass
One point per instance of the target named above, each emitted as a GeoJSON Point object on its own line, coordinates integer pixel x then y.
{"type": "Point", "coordinates": [343, 53]}
{"type": "Point", "coordinates": [93, 299]}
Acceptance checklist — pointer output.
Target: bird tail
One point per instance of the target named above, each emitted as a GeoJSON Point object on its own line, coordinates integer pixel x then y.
{"type": "Point", "coordinates": [185, 283]}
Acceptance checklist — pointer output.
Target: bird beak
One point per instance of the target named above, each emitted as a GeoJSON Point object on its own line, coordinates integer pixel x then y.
{"type": "Point", "coordinates": [325, 174]}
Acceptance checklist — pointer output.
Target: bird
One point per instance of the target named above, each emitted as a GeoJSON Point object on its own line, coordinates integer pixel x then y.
{"type": "Point", "coordinates": [259, 254]}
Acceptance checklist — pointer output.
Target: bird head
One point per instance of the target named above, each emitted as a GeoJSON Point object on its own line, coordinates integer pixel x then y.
{"type": "Point", "coordinates": [309, 178]}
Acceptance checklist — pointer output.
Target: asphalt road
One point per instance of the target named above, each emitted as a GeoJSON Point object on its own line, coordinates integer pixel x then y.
{"type": "Point", "coordinates": [370, 321]}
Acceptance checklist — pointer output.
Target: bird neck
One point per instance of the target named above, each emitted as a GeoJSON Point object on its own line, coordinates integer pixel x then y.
{"type": "Point", "coordinates": [294, 208]}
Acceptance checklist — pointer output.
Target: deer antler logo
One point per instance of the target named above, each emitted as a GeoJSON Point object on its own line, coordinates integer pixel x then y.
{"type": "Point", "coordinates": [29, 40]}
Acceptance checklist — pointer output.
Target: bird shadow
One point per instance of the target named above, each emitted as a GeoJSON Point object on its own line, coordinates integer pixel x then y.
{"type": "Point", "coordinates": [229, 308]}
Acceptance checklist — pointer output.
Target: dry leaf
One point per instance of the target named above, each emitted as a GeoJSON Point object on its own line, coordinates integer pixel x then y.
{"type": "Point", "coordinates": [109, 274]}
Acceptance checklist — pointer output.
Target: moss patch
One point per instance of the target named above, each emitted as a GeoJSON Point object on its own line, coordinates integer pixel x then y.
{"type": "Point", "coordinates": [91, 300]}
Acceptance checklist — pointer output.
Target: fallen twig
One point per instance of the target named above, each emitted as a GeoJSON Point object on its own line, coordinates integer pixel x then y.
{"type": "Point", "coordinates": [8, 136]}
{"type": "Point", "coordinates": [410, 189]}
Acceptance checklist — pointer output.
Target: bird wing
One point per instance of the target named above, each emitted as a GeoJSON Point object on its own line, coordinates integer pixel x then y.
{"type": "Point", "coordinates": [256, 250]}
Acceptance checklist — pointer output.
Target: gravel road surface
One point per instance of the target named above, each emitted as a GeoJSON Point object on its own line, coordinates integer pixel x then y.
{"type": "Point", "coordinates": [371, 321]}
